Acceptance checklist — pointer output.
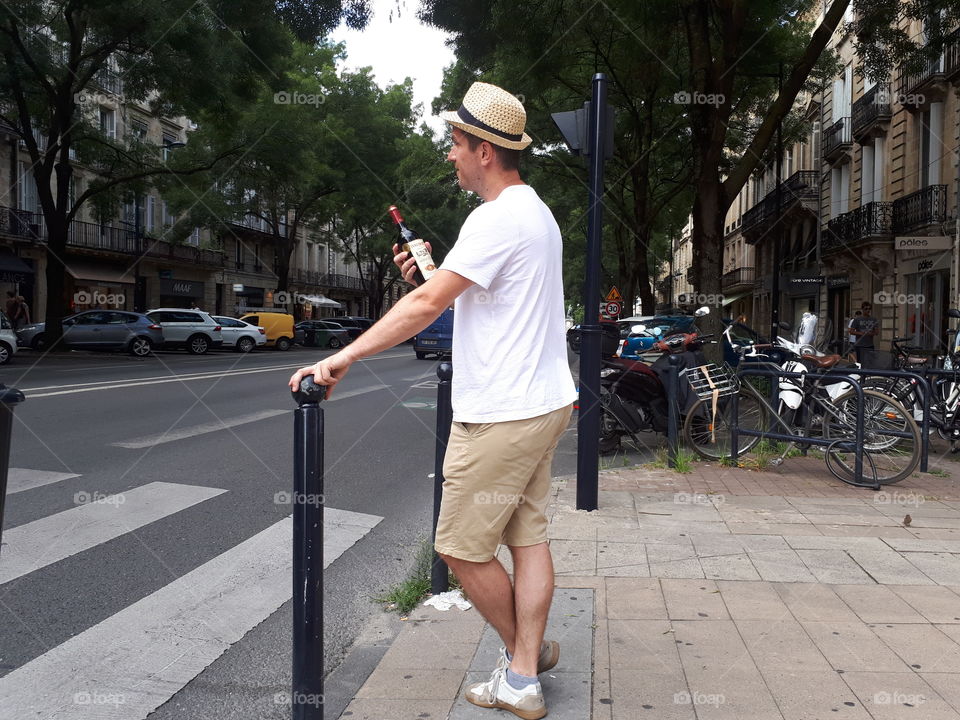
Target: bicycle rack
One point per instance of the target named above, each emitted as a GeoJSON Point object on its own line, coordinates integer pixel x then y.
{"type": "Point", "coordinates": [735, 431]}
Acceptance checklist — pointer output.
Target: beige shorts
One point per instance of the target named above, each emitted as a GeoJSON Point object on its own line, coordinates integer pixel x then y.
{"type": "Point", "coordinates": [497, 485]}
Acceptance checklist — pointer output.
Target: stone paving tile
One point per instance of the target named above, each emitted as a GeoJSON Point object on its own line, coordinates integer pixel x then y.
{"type": "Point", "coordinates": [835, 543]}
{"type": "Point", "coordinates": [781, 566]}
{"type": "Point", "coordinates": [937, 604]}
{"type": "Point", "coordinates": [782, 644]}
{"type": "Point", "coordinates": [852, 646]}
{"type": "Point", "coordinates": [396, 709]}
{"type": "Point", "coordinates": [812, 695]}
{"type": "Point", "coordinates": [752, 600]}
{"type": "Point", "coordinates": [871, 519]}
{"type": "Point", "coordinates": [676, 569]}
{"type": "Point", "coordinates": [763, 543]}
{"type": "Point", "coordinates": [693, 600]}
{"type": "Point", "coordinates": [813, 602]}
{"type": "Point", "coordinates": [635, 599]}
{"type": "Point", "coordinates": [922, 647]}
{"type": "Point", "coordinates": [665, 536]}
{"type": "Point", "coordinates": [569, 531]}
{"type": "Point", "coordinates": [877, 604]}
{"type": "Point", "coordinates": [935, 533]}
{"type": "Point", "coordinates": [411, 683]}
{"type": "Point", "coordinates": [888, 567]}
{"type": "Point", "coordinates": [717, 665]}
{"type": "Point", "coordinates": [833, 566]}
{"type": "Point", "coordinates": [946, 685]}
{"type": "Point", "coordinates": [942, 568]}
{"type": "Point", "coordinates": [729, 567]}
{"type": "Point", "coordinates": [748, 515]}
{"type": "Point", "coordinates": [917, 545]}
{"type": "Point", "coordinates": [710, 545]}
{"type": "Point", "coordinates": [426, 650]}
{"type": "Point", "coordinates": [574, 557]}
{"type": "Point", "coordinates": [566, 694]}
{"type": "Point", "coordinates": [755, 528]}
{"type": "Point", "coordinates": [898, 696]}
{"type": "Point", "coordinates": [853, 531]}
{"type": "Point", "coordinates": [622, 559]}
{"type": "Point", "coordinates": [925, 509]}
{"type": "Point", "coordinates": [951, 523]}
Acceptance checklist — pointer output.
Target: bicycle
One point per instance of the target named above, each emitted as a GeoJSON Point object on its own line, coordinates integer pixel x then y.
{"type": "Point", "coordinates": [812, 406]}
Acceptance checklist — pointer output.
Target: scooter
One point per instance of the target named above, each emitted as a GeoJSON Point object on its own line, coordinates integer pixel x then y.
{"type": "Point", "coordinates": [633, 395]}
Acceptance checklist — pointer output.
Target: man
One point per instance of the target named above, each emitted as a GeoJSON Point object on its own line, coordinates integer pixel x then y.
{"type": "Point", "coordinates": [864, 328]}
{"type": "Point", "coordinates": [512, 390]}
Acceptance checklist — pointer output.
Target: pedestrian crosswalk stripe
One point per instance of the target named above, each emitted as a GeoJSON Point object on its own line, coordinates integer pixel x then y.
{"type": "Point", "coordinates": [20, 479]}
{"type": "Point", "coordinates": [136, 660]}
{"type": "Point", "coordinates": [188, 432]}
{"type": "Point", "coordinates": [97, 519]}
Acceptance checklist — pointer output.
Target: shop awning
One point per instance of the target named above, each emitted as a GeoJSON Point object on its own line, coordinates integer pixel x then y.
{"type": "Point", "coordinates": [12, 268]}
{"type": "Point", "coordinates": [728, 299]}
{"type": "Point", "coordinates": [88, 271]}
{"type": "Point", "coordinates": [322, 301]}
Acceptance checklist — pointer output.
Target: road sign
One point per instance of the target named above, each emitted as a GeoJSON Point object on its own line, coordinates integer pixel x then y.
{"type": "Point", "coordinates": [614, 295]}
{"type": "Point", "coordinates": [612, 309]}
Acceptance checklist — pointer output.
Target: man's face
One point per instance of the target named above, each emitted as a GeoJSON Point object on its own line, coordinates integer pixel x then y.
{"type": "Point", "coordinates": [465, 160]}
{"type": "Point", "coordinates": [866, 310]}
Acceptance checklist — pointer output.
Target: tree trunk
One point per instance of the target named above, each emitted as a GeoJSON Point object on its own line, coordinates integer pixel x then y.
{"type": "Point", "coordinates": [708, 216]}
{"type": "Point", "coordinates": [58, 305]}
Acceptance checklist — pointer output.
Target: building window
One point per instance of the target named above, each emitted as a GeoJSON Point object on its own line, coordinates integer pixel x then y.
{"type": "Point", "coordinates": [168, 139]}
{"type": "Point", "coordinates": [108, 122]}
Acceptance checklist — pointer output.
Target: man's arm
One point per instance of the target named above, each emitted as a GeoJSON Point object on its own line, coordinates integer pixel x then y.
{"type": "Point", "coordinates": [410, 315]}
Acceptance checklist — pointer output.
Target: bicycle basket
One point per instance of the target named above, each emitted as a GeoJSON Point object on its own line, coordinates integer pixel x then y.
{"type": "Point", "coordinates": [708, 379]}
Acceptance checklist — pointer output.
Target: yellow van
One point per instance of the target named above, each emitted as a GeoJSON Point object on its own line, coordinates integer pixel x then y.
{"type": "Point", "coordinates": [278, 326]}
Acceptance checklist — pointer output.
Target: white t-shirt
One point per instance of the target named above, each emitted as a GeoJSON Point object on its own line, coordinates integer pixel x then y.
{"type": "Point", "coordinates": [509, 346]}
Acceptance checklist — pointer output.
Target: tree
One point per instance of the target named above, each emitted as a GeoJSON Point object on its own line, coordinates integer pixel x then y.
{"type": "Point", "coordinates": [177, 57]}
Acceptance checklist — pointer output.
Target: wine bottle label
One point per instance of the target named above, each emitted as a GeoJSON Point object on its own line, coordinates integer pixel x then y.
{"type": "Point", "coordinates": [418, 249]}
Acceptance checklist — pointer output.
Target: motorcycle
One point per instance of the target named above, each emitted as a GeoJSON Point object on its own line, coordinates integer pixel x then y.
{"type": "Point", "coordinates": [633, 395]}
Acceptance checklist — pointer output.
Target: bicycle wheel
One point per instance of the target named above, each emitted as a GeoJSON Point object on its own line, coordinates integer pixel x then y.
{"type": "Point", "coordinates": [890, 436]}
{"type": "Point", "coordinates": [708, 432]}
{"type": "Point", "coordinates": [836, 455]}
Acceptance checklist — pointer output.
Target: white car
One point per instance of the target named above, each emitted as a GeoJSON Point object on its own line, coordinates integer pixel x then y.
{"type": "Point", "coordinates": [8, 340]}
{"type": "Point", "coordinates": [194, 330]}
{"type": "Point", "coordinates": [241, 336]}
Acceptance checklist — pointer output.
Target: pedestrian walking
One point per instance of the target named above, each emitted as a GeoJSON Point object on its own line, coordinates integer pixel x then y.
{"type": "Point", "coordinates": [512, 390]}
{"type": "Point", "coordinates": [21, 313]}
{"type": "Point", "coordinates": [864, 329]}
{"type": "Point", "coordinates": [11, 306]}
{"type": "Point", "coordinates": [851, 338]}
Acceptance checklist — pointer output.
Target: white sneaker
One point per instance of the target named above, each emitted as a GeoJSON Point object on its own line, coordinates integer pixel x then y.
{"type": "Point", "coordinates": [498, 693]}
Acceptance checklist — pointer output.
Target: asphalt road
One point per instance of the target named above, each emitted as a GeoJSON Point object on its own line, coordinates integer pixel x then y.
{"type": "Point", "coordinates": [222, 421]}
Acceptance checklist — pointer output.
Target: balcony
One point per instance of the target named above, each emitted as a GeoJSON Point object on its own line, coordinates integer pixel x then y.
{"type": "Point", "coordinates": [872, 221]}
{"type": "Point", "coordinates": [18, 224]}
{"type": "Point", "coordinates": [109, 81]}
{"type": "Point", "coordinates": [871, 112]}
{"type": "Point", "coordinates": [738, 278]}
{"type": "Point", "coordinates": [341, 282]}
{"type": "Point", "coordinates": [837, 140]}
{"type": "Point", "coordinates": [797, 192]}
{"type": "Point", "coordinates": [920, 209]}
{"type": "Point", "coordinates": [259, 225]}
{"type": "Point", "coordinates": [917, 87]}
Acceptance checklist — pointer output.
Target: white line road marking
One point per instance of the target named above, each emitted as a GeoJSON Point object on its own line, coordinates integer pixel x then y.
{"type": "Point", "coordinates": [102, 518]}
{"type": "Point", "coordinates": [134, 661]}
{"type": "Point", "coordinates": [20, 479]}
{"type": "Point", "coordinates": [344, 394]}
{"type": "Point", "coordinates": [188, 432]}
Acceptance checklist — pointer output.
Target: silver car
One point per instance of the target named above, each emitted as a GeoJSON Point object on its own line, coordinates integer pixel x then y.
{"type": "Point", "coordinates": [194, 330]}
{"type": "Point", "coordinates": [100, 330]}
{"type": "Point", "coordinates": [239, 335]}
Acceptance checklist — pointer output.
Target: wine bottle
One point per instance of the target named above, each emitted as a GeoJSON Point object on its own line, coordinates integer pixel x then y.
{"type": "Point", "coordinates": [425, 267]}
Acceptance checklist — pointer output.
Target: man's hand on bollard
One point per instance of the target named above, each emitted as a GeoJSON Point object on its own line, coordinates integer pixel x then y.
{"type": "Point", "coordinates": [404, 260]}
{"type": "Point", "coordinates": [328, 371]}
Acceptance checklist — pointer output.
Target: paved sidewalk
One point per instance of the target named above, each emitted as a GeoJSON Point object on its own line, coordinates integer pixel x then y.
{"type": "Point", "coordinates": [722, 593]}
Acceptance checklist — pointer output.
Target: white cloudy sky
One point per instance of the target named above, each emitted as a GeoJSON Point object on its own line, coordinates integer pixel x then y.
{"type": "Point", "coordinates": [396, 45]}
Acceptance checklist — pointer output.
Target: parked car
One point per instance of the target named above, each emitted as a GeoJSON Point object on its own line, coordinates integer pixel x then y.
{"type": "Point", "coordinates": [193, 330]}
{"type": "Point", "coordinates": [323, 333]}
{"type": "Point", "coordinates": [354, 328]}
{"type": "Point", "coordinates": [437, 338]}
{"type": "Point", "coordinates": [133, 332]}
{"type": "Point", "coordinates": [610, 334]}
{"type": "Point", "coordinates": [239, 335]}
{"type": "Point", "coordinates": [8, 340]}
{"type": "Point", "coordinates": [365, 322]}
{"type": "Point", "coordinates": [278, 326]}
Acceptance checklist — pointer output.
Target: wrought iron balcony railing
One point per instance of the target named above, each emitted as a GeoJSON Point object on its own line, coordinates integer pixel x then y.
{"type": "Point", "coordinates": [837, 138]}
{"type": "Point", "coordinates": [871, 110]}
{"type": "Point", "coordinates": [800, 186]}
{"type": "Point", "coordinates": [873, 220]}
{"type": "Point", "coordinates": [737, 277]}
{"type": "Point", "coordinates": [923, 207]}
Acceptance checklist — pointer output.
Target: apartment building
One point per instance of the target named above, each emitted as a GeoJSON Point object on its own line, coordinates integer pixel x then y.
{"type": "Point", "coordinates": [132, 262]}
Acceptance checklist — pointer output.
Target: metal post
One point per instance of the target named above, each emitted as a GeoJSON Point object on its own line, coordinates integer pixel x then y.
{"type": "Point", "coordinates": [673, 411]}
{"type": "Point", "coordinates": [439, 575]}
{"type": "Point", "coordinates": [588, 419]}
{"type": "Point", "coordinates": [778, 227]}
{"type": "Point", "coordinates": [307, 692]}
{"type": "Point", "coordinates": [9, 399]}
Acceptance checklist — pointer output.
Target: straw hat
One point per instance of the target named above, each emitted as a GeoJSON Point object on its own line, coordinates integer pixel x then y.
{"type": "Point", "coordinates": [493, 114]}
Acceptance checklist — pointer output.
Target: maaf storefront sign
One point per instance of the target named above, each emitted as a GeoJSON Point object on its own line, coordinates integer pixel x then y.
{"type": "Point", "coordinates": [181, 288]}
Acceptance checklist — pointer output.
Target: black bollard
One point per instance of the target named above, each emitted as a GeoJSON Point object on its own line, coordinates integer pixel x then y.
{"type": "Point", "coordinates": [673, 409]}
{"type": "Point", "coordinates": [439, 575]}
{"type": "Point", "coordinates": [307, 692]}
{"type": "Point", "coordinates": [9, 399]}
